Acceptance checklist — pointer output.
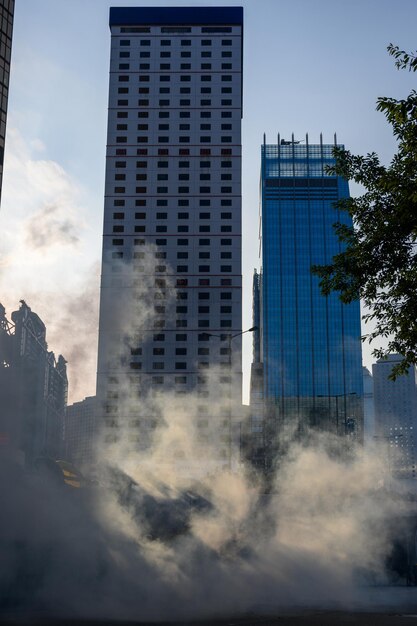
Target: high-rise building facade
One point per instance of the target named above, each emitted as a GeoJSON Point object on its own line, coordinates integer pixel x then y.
{"type": "Point", "coordinates": [171, 278]}
{"type": "Point", "coordinates": [6, 30]}
{"type": "Point", "coordinates": [395, 416]}
{"type": "Point", "coordinates": [310, 345]}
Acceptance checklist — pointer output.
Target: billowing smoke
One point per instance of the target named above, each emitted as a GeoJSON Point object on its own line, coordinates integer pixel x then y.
{"type": "Point", "coordinates": [52, 226]}
{"type": "Point", "coordinates": [173, 532]}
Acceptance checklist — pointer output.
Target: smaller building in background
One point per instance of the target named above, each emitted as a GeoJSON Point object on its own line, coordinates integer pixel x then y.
{"type": "Point", "coordinates": [396, 416]}
{"type": "Point", "coordinates": [33, 388]}
{"type": "Point", "coordinates": [80, 432]}
{"type": "Point", "coordinates": [368, 408]}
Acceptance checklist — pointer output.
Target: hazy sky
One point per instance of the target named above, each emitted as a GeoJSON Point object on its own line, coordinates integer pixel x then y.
{"type": "Point", "coordinates": [309, 66]}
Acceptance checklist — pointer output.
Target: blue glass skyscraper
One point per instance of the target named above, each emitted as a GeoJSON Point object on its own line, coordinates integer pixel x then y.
{"type": "Point", "coordinates": [310, 345]}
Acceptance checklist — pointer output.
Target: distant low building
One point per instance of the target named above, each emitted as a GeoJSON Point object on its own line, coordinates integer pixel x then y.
{"type": "Point", "coordinates": [80, 429]}
{"type": "Point", "coordinates": [368, 408]}
{"type": "Point", "coordinates": [33, 388]}
{"type": "Point", "coordinates": [396, 416]}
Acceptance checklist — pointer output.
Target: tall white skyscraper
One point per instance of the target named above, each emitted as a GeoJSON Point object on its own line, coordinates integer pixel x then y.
{"type": "Point", "coordinates": [171, 273]}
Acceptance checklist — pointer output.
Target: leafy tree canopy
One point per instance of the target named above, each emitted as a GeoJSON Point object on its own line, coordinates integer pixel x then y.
{"type": "Point", "coordinates": [379, 262]}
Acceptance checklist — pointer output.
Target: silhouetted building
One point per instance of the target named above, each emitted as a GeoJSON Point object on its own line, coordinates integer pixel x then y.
{"type": "Point", "coordinates": [6, 30]}
{"type": "Point", "coordinates": [257, 435]}
{"type": "Point", "coordinates": [368, 408]}
{"type": "Point", "coordinates": [310, 345]}
{"type": "Point", "coordinates": [33, 387]}
{"type": "Point", "coordinates": [80, 432]}
{"type": "Point", "coordinates": [396, 416]}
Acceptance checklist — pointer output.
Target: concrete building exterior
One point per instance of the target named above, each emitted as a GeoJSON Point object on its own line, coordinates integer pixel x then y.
{"type": "Point", "coordinates": [33, 388]}
{"type": "Point", "coordinates": [171, 268]}
{"type": "Point", "coordinates": [310, 346]}
{"type": "Point", "coordinates": [396, 416]}
{"type": "Point", "coordinates": [6, 31]}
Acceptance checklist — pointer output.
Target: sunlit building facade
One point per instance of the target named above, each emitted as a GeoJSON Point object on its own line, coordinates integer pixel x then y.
{"type": "Point", "coordinates": [310, 345]}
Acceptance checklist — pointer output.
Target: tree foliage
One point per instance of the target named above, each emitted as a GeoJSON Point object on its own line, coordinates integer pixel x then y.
{"type": "Point", "coordinates": [378, 263]}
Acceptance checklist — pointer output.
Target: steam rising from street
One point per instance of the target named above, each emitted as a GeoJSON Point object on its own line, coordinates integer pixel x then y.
{"type": "Point", "coordinates": [94, 552]}
{"type": "Point", "coordinates": [171, 533]}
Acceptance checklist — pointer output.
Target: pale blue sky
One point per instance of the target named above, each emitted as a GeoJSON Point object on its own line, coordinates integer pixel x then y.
{"type": "Point", "coordinates": [309, 66]}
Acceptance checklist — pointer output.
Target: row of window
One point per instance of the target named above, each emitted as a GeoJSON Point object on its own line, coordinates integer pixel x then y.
{"type": "Point", "coordinates": [181, 177]}
{"type": "Point", "coordinates": [167, 42]}
{"type": "Point", "coordinates": [182, 102]}
{"type": "Point", "coordinates": [166, 78]}
{"type": "Point", "coordinates": [182, 202]}
{"type": "Point", "coordinates": [182, 189]}
{"type": "Point", "coordinates": [181, 165]}
{"type": "Point", "coordinates": [160, 365]}
{"type": "Point", "coordinates": [179, 242]}
{"type": "Point", "coordinates": [166, 54]}
{"type": "Point", "coordinates": [181, 216]}
{"type": "Point", "coordinates": [204, 152]}
{"type": "Point", "coordinates": [181, 228]}
{"type": "Point", "coordinates": [180, 269]}
{"type": "Point", "coordinates": [182, 114]}
{"type": "Point", "coordinates": [179, 337]}
{"type": "Point", "coordinates": [167, 66]}
{"type": "Point", "coordinates": [181, 126]}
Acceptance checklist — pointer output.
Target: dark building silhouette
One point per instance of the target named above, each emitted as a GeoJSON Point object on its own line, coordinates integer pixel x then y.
{"type": "Point", "coordinates": [6, 29]}
{"type": "Point", "coordinates": [33, 388]}
{"type": "Point", "coordinates": [80, 432]}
